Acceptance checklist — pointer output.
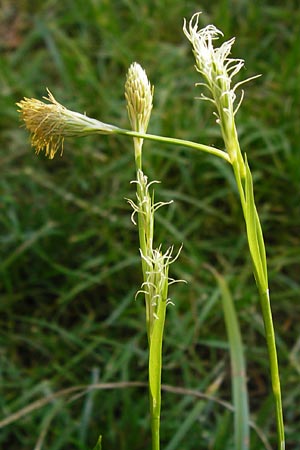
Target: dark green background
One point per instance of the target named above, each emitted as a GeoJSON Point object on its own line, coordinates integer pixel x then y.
{"type": "Point", "coordinates": [69, 252]}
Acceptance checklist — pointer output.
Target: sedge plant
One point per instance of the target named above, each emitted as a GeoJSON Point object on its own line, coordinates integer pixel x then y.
{"type": "Point", "coordinates": [155, 263]}
{"type": "Point", "coordinates": [50, 123]}
{"type": "Point", "coordinates": [217, 70]}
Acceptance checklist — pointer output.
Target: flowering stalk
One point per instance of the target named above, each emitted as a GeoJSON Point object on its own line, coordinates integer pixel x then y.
{"type": "Point", "coordinates": [51, 123]}
{"type": "Point", "coordinates": [156, 281]}
{"type": "Point", "coordinates": [155, 263]}
{"type": "Point", "coordinates": [218, 70]}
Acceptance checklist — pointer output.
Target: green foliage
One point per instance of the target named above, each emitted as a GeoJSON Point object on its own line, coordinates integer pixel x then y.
{"type": "Point", "coordinates": [69, 253]}
{"type": "Point", "coordinates": [99, 445]}
{"type": "Point", "coordinates": [238, 368]}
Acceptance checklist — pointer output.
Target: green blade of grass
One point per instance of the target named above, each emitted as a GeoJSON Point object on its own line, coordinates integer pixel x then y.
{"type": "Point", "coordinates": [238, 368]}
{"type": "Point", "coordinates": [99, 444]}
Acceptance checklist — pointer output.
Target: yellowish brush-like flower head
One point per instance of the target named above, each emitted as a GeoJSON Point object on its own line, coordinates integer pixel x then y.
{"type": "Point", "coordinates": [50, 123]}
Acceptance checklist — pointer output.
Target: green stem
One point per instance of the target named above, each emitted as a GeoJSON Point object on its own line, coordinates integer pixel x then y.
{"type": "Point", "coordinates": [275, 380]}
{"type": "Point", "coordinates": [144, 232]}
{"type": "Point", "coordinates": [155, 322]}
{"type": "Point", "coordinates": [257, 250]}
{"type": "Point", "coordinates": [155, 427]}
{"type": "Point", "coordinates": [175, 141]}
{"type": "Point", "coordinates": [155, 367]}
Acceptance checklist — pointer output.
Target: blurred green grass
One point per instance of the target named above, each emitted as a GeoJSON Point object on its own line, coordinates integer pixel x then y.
{"type": "Point", "coordinates": [69, 253]}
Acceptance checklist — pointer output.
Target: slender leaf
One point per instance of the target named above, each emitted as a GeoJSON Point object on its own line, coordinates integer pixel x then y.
{"type": "Point", "coordinates": [238, 368]}
{"type": "Point", "coordinates": [99, 444]}
{"type": "Point", "coordinates": [255, 239]}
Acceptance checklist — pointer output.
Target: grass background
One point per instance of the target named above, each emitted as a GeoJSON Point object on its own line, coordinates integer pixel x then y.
{"type": "Point", "coordinates": [69, 253]}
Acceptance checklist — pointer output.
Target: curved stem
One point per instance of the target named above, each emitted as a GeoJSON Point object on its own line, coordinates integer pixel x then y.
{"type": "Point", "coordinates": [175, 141]}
